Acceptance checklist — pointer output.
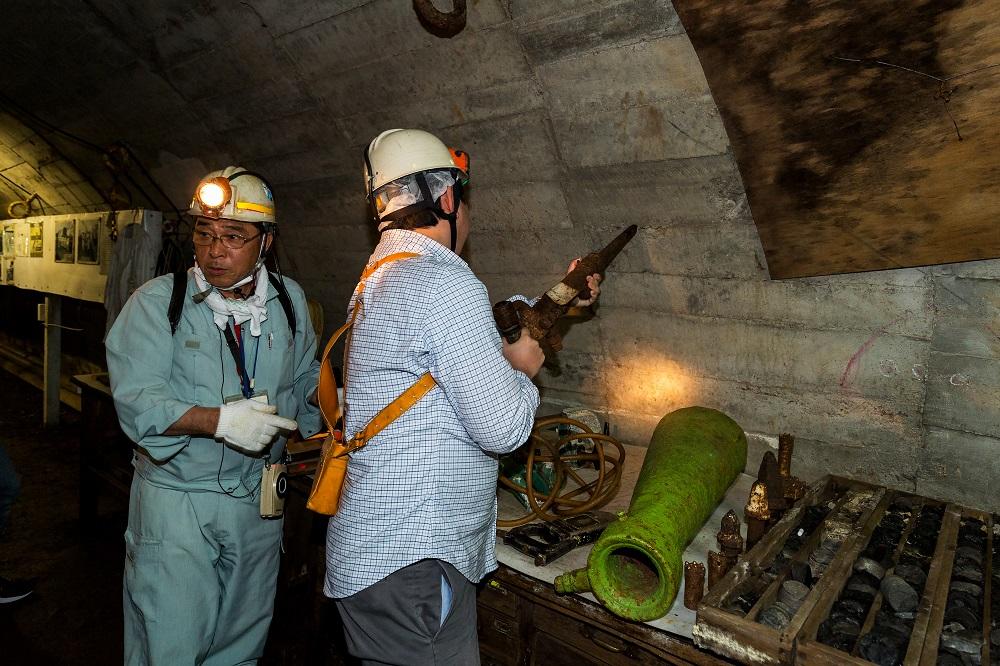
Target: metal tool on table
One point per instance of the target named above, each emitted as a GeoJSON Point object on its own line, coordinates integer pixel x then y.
{"type": "Point", "coordinates": [549, 541]}
{"type": "Point", "coordinates": [539, 319]}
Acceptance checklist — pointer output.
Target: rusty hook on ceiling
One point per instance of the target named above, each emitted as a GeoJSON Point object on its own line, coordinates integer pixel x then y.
{"type": "Point", "coordinates": [438, 23]}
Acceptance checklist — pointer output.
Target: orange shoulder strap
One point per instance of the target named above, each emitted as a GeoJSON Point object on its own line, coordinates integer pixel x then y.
{"type": "Point", "coordinates": [326, 392]}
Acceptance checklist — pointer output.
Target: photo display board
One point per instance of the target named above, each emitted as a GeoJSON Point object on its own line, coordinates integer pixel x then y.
{"type": "Point", "coordinates": [68, 255]}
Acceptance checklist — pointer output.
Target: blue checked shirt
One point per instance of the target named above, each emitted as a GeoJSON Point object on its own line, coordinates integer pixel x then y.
{"type": "Point", "coordinates": [425, 487]}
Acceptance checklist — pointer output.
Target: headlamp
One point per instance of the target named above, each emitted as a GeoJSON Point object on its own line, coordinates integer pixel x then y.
{"type": "Point", "coordinates": [213, 195]}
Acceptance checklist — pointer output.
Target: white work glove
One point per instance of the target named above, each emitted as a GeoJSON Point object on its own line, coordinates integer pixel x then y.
{"type": "Point", "coordinates": [250, 425]}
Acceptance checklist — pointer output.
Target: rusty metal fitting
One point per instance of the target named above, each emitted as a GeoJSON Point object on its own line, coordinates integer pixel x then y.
{"type": "Point", "coordinates": [718, 566]}
{"type": "Point", "coordinates": [769, 475]}
{"type": "Point", "coordinates": [794, 490]}
{"type": "Point", "coordinates": [729, 538]}
{"type": "Point", "coordinates": [438, 23]}
{"type": "Point", "coordinates": [756, 513]}
{"type": "Point", "coordinates": [786, 444]}
{"type": "Point", "coordinates": [694, 584]}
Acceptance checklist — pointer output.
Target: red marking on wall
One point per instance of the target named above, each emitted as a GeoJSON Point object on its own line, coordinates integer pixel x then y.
{"type": "Point", "coordinates": [852, 365]}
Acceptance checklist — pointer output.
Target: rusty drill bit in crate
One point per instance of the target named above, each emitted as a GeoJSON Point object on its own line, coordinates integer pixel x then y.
{"type": "Point", "coordinates": [718, 567]}
{"type": "Point", "coordinates": [694, 584]}
{"type": "Point", "coordinates": [756, 513]}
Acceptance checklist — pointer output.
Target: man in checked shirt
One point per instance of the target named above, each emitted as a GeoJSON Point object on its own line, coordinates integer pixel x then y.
{"type": "Point", "coordinates": [416, 526]}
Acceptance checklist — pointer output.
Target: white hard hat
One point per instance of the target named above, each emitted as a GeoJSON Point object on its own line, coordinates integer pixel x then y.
{"type": "Point", "coordinates": [401, 152]}
{"type": "Point", "coordinates": [234, 194]}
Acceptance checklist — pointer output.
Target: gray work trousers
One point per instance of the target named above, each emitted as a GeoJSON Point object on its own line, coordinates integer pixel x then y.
{"type": "Point", "coordinates": [397, 621]}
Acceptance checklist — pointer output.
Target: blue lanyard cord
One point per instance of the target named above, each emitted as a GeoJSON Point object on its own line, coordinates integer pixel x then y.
{"type": "Point", "coordinates": [256, 353]}
{"type": "Point", "coordinates": [237, 352]}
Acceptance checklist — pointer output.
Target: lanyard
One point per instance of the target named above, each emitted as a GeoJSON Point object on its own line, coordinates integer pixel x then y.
{"type": "Point", "coordinates": [239, 356]}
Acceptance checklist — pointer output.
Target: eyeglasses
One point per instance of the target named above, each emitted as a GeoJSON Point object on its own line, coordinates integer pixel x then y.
{"type": "Point", "coordinates": [232, 241]}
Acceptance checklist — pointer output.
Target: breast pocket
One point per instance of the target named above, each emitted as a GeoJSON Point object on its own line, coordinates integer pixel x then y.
{"type": "Point", "coordinates": [197, 373]}
{"type": "Point", "coordinates": [280, 350]}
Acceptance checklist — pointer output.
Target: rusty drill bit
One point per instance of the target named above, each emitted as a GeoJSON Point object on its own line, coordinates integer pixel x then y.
{"type": "Point", "coordinates": [756, 513]}
{"type": "Point", "coordinates": [793, 489]}
{"type": "Point", "coordinates": [786, 444]}
{"type": "Point", "coordinates": [729, 539]}
{"type": "Point", "coordinates": [718, 566]}
{"type": "Point", "coordinates": [694, 584]}
{"type": "Point", "coordinates": [769, 475]}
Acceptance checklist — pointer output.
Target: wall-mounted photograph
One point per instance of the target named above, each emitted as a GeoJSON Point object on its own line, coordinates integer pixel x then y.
{"type": "Point", "coordinates": [88, 241]}
{"type": "Point", "coordinates": [35, 245]}
{"type": "Point", "coordinates": [8, 241]}
{"type": "Point", "coordinates": [65, 241]}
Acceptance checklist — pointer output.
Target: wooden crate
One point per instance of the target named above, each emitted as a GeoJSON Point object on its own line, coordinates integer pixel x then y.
{"type": "Point", "coordinates": [741, 637]}
{"type": "Point", "coordinates": [811, 651]}
{"type": "Point", "coordinates": [932, 638]}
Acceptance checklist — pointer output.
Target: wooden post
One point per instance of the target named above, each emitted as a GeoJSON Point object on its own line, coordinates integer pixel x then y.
{"type": "Point", "coordinates": [53, 356]}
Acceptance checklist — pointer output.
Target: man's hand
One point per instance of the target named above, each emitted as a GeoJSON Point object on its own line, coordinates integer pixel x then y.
{"type": "Point", "coordinates": [525, 355]}
{"type": "Point", "coordinates": [250, 425]}
{"type": "Point", "coordinates": [593, 281]}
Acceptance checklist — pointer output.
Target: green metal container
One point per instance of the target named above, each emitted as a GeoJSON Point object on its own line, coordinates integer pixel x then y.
{"type": "Point", "coordinates": [635, 567]}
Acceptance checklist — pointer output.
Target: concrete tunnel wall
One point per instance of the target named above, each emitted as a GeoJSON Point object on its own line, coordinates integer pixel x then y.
{"type": "Point", "coordinates": [581, 117]}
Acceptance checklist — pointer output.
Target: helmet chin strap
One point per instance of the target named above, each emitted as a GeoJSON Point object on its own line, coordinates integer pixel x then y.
{"type": "Point", "coordinates": [452, 217]}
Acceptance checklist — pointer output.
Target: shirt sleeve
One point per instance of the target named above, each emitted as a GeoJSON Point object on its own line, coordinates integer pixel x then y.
{"type": "Point", "coordinates": [146, 403]}
{"type": "Point", "coordinates": [306, 371]}
{"type": "Point", "coordinates": [495, 402]}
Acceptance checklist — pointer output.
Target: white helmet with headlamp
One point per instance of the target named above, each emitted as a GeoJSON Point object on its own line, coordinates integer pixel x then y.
{"type": "Point", "coordinates": [407, 170]}
{"type": "Point", "coordinates": [234, 193]}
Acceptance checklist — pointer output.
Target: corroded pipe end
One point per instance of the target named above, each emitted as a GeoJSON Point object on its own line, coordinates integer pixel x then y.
{"type": "Point", "coordinates": [573, 581]}
{"type": "Point", "coordinates": [694, 584]}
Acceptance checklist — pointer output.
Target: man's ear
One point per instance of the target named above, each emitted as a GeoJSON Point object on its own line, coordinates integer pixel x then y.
{"type": "Point", "coordinates": [447, 200]}
{"type": "Point", "coordinates": [268, 239]}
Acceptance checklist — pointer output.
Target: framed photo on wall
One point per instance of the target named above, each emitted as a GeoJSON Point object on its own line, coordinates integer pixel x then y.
{"type": "Point", "coordinates": [88, 241]}
{"type": "Point", "coordinates": [35, 245]}
{"type": "Point", "coordinates": [65, 241]}
{"type": "Point", "coordinates": [8, 240]}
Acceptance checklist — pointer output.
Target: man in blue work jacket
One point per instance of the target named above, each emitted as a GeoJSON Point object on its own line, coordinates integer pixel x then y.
{"type": "Point", "coordinates": [209, 371]}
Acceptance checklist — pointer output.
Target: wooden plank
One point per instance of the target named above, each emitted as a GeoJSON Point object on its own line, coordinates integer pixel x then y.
{"type": "Point", "coordinates": [848, 164]}
{"type": "Point", "coordinates": [987, 590]}
{"type": "Point", "coordinates": [930, 613]}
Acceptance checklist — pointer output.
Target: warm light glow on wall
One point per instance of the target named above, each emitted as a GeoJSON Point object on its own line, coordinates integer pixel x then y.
{"type": "Point", "coordinates": [647, 381]}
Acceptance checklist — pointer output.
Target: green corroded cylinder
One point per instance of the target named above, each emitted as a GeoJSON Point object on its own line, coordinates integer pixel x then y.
{"type": "Point", "coordinates": [635, 567]}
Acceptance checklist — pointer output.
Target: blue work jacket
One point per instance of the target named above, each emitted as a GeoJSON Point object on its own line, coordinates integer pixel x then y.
{"type": "Point", "coordinates": [156, 377]}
